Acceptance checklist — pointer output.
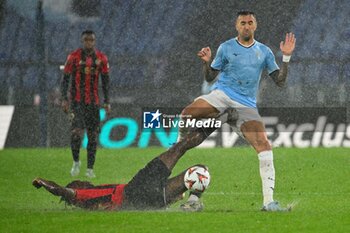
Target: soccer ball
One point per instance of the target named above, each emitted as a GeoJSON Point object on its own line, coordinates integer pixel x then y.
{"type": "Point", "coordinates": [197, 179]}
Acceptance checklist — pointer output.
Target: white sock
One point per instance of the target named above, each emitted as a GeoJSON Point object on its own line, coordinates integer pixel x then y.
{"type": "Point", "coordinates": [267, 174]}
{"type": "Point", "coordinates": [76, 163]}
{"type": "Point", "coordinates": [193, 198]}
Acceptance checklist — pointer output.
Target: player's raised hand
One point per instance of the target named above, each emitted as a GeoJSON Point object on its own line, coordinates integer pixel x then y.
{"type": "Point", "coordinates": [205, 54]}
{"type": "Point", "coordinates": [287, 46]}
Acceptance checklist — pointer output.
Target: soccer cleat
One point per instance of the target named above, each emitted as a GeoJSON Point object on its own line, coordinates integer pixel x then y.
{"type": "Point", "coordinates": [275, 207]}
{"type": "Point", "coordinates": [192, 206]}
{"type": "Point", "coordinates": [75, 168]}
{"type": "Point", "coordinates": [90, 173]}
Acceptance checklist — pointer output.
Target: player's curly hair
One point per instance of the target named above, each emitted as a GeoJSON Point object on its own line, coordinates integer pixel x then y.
{"type": "Point", "coordinates": [78, 184]}
{"type": "Point", "coordinates": [87, 32]}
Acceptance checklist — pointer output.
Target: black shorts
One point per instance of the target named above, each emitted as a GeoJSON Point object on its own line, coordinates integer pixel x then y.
{"type": "Point", "coordinates": [85, 116]}
{"type": "Point", "coordinates": [146, 190]}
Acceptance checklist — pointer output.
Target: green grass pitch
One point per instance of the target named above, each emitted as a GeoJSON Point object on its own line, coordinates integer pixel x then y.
{"type": "Point", "coordinates": [316, 180]}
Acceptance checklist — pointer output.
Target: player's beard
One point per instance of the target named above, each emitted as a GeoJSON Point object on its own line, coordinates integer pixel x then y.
{"type": "Point", "coordinates": [247, 37]}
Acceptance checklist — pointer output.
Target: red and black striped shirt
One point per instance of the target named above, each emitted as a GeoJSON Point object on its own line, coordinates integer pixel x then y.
{"type": "Point", "coordinates": [85, 70]}
{"type": "Point", "coordinates": [107, 196]}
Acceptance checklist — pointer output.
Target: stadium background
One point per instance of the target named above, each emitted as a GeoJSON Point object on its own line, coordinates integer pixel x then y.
{"type": "Point", "coordinates": [152, 45]}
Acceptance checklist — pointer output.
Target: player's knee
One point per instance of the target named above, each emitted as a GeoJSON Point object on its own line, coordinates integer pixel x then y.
{"type": "Point", "coordinates": [262, 145]}
{"type": "Point", "coordinates": [186, 112]}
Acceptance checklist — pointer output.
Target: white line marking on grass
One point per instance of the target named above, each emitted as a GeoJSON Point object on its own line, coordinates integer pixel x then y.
{"type": "Point", "coordinates": [279, 194]}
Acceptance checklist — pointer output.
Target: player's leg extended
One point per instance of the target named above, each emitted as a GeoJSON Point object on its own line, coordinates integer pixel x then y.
{"type": "Point", "coordinates": [54, 188]}
{"type": "Point", "coordinates": [175, 188]}
{"type": "Point", "coordinates": [199, 109]}
{"type": "Point", "coordinates": [191, 140]}
{"type": "Point", "coordinates": [254, 132]}
{"type": "Point", "coordinates": [146, 188]}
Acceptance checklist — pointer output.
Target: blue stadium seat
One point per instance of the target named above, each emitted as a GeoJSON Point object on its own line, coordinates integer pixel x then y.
{"type": "Point", "coordinates": [330, 74]}
{"type": "Point", "coordinates": [316, 32]}
{"type": "Point", "coordinates": [346, 73]}
{"type": "Point", "coordinates": [13, 76]}
{"type": "Point", "coordinates": [9, 29]}
{"type": "Point", "coordinates": [3, 74]}
{"type": "Point", "coordinates": [56, 41]}
{"type": "Point", "coordinates": [296, 74]}
{"type": "Point", "coordinates": [136, 28]}
{"type": "Point", "coordinates": [31, 78]}
{"type": "Point", "coordinates": [53, 76]}
{"type": "Point", "coordinates": [312, 73]}
{"type": "Point", "coordinates": [26, 38]}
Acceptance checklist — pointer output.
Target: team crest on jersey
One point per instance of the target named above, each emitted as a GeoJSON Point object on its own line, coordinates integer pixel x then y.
{"type": "Point", "coordinates": [90, 70]}
{"type": "Point", "coordinates": [97, 62]}
{"type": "Point", "coordinates": [87, 70]}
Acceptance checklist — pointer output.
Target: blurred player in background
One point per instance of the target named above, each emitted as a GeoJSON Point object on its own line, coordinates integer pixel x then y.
{"type": "Point", "coordinates": [239, 63]}
{"type": "Point", "coordinates": [83, 67]}
{"type": "Point", "coordinates": [150, 188]}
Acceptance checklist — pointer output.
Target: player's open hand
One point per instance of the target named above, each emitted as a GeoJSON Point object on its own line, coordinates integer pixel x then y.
{"type": "Point", "coordinates": [287, 46]}
{"type": "Point", "coordinates": [205, 54]}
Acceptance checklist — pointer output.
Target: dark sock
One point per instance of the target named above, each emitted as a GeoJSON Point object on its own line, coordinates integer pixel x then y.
{"type": "Point", "coordinates": [75, 146]}
{"type": "Point", "coordinates": [91, 148]}
{"type": "Point", "coordinates": [91, 159]}
{"type": "Point", "coordinates": [198, 194]}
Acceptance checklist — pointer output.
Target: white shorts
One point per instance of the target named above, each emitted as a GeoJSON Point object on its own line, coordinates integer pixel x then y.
{"type": "Point", "coordinates": [219, 100]}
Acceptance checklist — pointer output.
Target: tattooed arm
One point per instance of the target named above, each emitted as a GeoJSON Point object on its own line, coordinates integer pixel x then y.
{"type": "Point", "coordinates": [280, 76]}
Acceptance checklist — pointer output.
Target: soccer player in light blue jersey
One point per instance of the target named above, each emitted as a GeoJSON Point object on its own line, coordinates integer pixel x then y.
{"type": "Point", "coordinates": [237, 66]}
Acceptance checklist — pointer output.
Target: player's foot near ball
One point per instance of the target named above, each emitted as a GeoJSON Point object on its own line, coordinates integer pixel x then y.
{"type": "Point", "coordinates": [192, 206]}
{"type": "Point", "coordinates": [275, 207]}
{"type": "Point", "coordinates": [37, 183]}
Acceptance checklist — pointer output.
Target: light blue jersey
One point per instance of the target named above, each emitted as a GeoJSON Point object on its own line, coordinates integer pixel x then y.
{"type": "Point", "coordinates": [240, 69]}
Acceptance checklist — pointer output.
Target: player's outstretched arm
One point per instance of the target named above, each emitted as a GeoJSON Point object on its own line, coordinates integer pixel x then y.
{"type": "Point", "coordinates": [287, 47]}
{"type": "Point", "coordinates": [205, 55]}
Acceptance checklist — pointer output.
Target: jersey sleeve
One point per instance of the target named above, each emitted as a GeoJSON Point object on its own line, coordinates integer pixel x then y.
{"type": "Point", "coordinates": [105, 65]}
{"type": "Point", "coordinates": [270, 62]}
{"type": "Point", "coordinates": [68, 66]}
{"type": "Point", "coordinates": [217, 62]}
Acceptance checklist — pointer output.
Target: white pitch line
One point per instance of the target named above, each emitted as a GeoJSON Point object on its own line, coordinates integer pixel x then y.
{"type": "Point", "coordinates": [294, 193]}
